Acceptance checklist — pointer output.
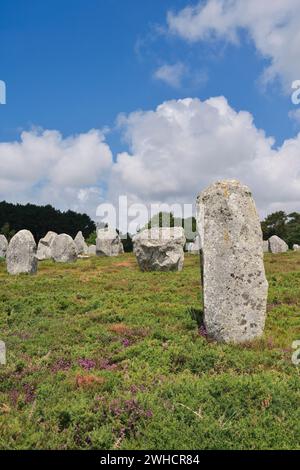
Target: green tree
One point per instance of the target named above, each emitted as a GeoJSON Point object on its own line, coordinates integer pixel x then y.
{"type": "Point", "coordinates": [5, 230]}
{"type": "Point", "coordinates": [40, 219]}
{"type": "Point", "coordinates": [293, 229]}
{"type": "Point", "coordinates": [127, 243]}
{"type": "Point", "coordinates": [275, 224]}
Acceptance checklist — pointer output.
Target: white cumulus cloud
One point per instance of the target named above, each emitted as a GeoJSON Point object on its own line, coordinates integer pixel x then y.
{"type": "Point", "coordinates": [184, 145]}
{"type": "Point", "coordinates": [171, 74]}
{"type": "Point", "coordinates": [174, 152]}
{"type": "Point", "coordinates": [44, 167]}
{"type": "Point", "coordinates": [272, 25]}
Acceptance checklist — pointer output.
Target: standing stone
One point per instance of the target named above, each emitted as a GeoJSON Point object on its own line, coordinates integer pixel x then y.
{"type": "Point", "coordinates": [234, 283]}
{"type": "Point", "coordinates": [265, 246]}
{"type": "Point", "coordinates": [160, 249]}
{"type": "Point", "coordinates": [82, 247]}
{"type": "Point", "coordinates": [64, 249]}
{"type": "Point", "coordinates": [108, 243]}
{"type": "Point", "coordinates": [21, 254]}
{"type": "Point", "coordinates": [3, 246]}
{"type": "Point", "coordinates": [277, 245]}
{"type": "Point", "coordinates": [194, 247]}
{"type": "Point", "coordinates": [45, 245]}
{"type": "Point", "coordinates": [296, 247]}
{"type": "Point", "coordinates": [92, 250]}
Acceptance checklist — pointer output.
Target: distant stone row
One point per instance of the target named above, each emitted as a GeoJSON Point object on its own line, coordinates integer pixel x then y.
{"type": "Point", "coordinates": [276, 245]}
{"type": "Point", "coordinates": [234, 284]}
{"type": "Point", "coordinates": [22, 254]}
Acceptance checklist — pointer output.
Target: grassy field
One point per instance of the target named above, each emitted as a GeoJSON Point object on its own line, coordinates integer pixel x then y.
{"type": "Point", "coordinates": [102, 356]}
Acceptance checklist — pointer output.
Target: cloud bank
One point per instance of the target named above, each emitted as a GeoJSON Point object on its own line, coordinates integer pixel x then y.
{"type": "Point", "coordinates": [184, 145]}
{"type": "Point", "coordinates": [174, 152]}
{"type": "Point", "coordinates": [44, 167]}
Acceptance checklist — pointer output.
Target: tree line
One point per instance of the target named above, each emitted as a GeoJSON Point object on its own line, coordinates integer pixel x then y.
{"type": "Point", "coordinates": [40, 219]}
{"type": "Point", "coordinates": [285, 226]}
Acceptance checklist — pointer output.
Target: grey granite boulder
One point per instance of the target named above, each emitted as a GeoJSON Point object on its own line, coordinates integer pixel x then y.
{"type": "Point", "coordinates": [44, 246]}
{"type": "Point", "coordinates": [82, 247]}
{"type": "Point", "coordinates": [296, 247]}
{"type": "Point", "coordinates": [108, 243]}
{"type": "Point", "coordinates": [3, 246]}
{"type": "Point", "coordinates": [160, 249]}
{"type": "Point", "coordinates": [64, 249]}
{"type": "Point", "coordinates": [92, 250]}
{"type": "Point", "coordinates": [21, 254]}
{"type": "Point", "coordinates": [233, 275]}
{"type": "Point", "coordinates": [277, 245]}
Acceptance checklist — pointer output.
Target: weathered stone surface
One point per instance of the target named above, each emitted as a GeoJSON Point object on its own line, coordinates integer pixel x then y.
{"type": "Point", "coordinates": [194, 247]}
{"type": "Point", "coordinates": [21, 254]}
{"type": "Point", "coordinates": [266, 246]}
{"type": "Point", "coordinates": [92, 250]}
{"type": "Point", "coordinates": [81, 245]}
{"type": "Point", "coordinates": [64, 249]}
{"type": "Point", "coordinates": [3, 246]}
{"type": "Point", "coordinates": [277, 245]}
{"type": "Point", "coordinates": [296, 247]}
{"type": "Point", "coordinates": [160, 249]}
{"type": "Point", "coordinates": [234, 282]}
{"type": "Point", "coordinates": [44, 246]}
{"type": "Point", "coordinates": [108, 243]}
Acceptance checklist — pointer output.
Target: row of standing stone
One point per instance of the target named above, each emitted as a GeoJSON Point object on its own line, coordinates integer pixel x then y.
{"type": "Point", "coordinates": [233, 276]}
{"type": "Point", "coordinates": [22, 254]}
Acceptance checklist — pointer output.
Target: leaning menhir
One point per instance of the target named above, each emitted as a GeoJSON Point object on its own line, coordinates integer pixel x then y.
{"type": "Point", "coordinates": [108, 243]}
{"type": "Point", "coordinates": [81, 245]}
{"type": "Point", "coordinates": [3, 246]}
{"type": "Point", "coordinates": [234, 283]}
{"type": "Point", "coordinates": [21, 254]}
{"type": "Point", "coordinates": [44, 246]}
{"type": "Point", "coordinates": [160, 249]}
{"type": "Point", "coordinates": [64, 249]}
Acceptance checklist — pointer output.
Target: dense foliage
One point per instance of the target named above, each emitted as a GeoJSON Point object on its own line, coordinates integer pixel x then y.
{"type": "Point", "coordinates": [40, 219]}
{"type": "Point", "coordinates": [284, 226]}
{"type": "Point", "coordinates": [167, 219]}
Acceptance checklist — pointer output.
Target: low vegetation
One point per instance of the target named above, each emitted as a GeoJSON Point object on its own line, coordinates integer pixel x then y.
{"type": "Point", "coordinates": [102, 356]}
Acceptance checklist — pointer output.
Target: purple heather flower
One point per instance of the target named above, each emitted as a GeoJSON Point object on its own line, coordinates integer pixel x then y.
{"type": "Point", "coordinates": [87, 364]}
{"type": "Point", "coordinates": [202, 331]}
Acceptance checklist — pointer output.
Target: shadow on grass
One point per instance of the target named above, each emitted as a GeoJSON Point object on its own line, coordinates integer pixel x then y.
{"type": "Point", "coordinates": [196, 315]}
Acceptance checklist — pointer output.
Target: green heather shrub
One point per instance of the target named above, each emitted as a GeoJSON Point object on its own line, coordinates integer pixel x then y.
{"type": "Point", "coordinates": [103, 356]}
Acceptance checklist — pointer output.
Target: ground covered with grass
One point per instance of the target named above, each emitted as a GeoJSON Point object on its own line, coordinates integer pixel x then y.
{"type": "Point", "coordinates": [102, 356]}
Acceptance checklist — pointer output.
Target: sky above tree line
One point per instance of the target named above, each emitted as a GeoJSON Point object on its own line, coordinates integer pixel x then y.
{"type": "Point", "coordinates": [153, 100]}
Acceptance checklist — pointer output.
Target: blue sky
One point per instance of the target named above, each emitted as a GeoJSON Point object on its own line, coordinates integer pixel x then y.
{"type": "Point", "coordinates": [75, 66]}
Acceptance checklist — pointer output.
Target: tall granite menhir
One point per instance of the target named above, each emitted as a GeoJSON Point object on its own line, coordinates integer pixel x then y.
{"type": "Point", "coordinates": [233, 275]}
